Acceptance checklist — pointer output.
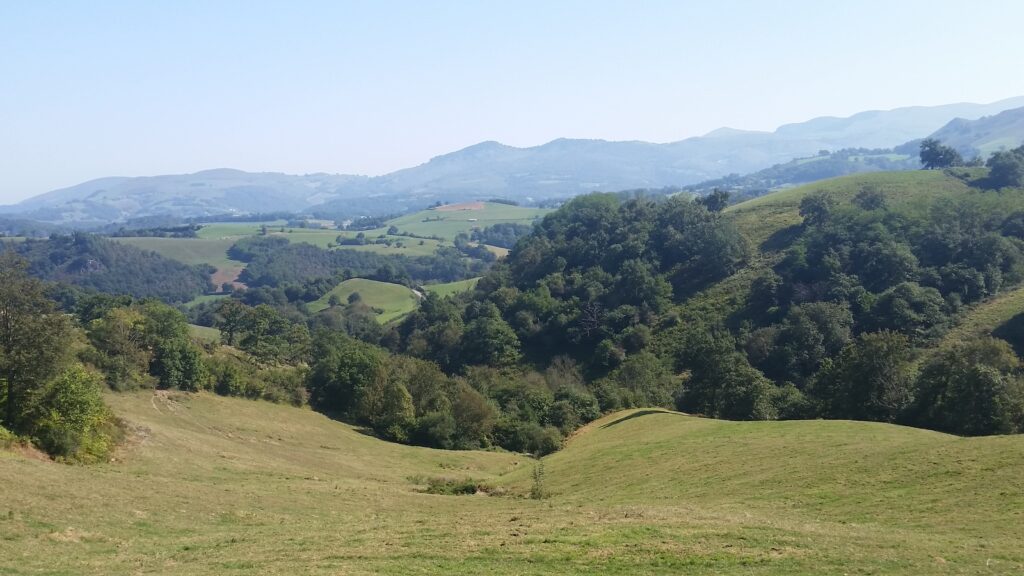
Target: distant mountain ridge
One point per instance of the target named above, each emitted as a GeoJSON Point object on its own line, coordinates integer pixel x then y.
{"type": "Point", "coordinates": [982, 137]}
{"type": "Point", "coordinates": [558, 169]}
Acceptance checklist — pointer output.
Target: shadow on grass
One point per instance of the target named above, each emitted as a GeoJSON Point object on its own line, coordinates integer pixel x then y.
{"type": "Point", "coordinates": [782, 239]}
{"type": "Point", "coordinates": [638, 414]}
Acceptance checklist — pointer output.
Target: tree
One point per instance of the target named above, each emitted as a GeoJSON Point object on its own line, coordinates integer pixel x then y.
{"type": "Point", "coordinates": [716, 201]}
{"type": "Point", "coordinates": [869, 197]}
{"type": "Point", "coordinates": [490, 341]}
{"type": "Point", "coordinates": [816, 208]}
{"type": "Point", "coordinates": [177, 364]}
{"type": "Point", "coordinates": [342, 368]}
{"type": "Point", "coordinates": [972, 389]}
{"type": "Point", "coordinates": [872, 379]}
{"type": "Point", "coordinates": [34, 339]}
{"type": "Point", "coordinates": [231, 318]}
{"type": "Point", "coordinates": [71, 420]}
{"type": "Point", "coordinates": [120, 342]}
{"type": "Point", "coordinates": [934, 155]}
{"type": "Point", "coordinates": [1006, 169]}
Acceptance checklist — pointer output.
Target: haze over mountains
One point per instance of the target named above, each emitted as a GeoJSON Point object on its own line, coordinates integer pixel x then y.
{"type": "Point", "coordinates": [558, 169]}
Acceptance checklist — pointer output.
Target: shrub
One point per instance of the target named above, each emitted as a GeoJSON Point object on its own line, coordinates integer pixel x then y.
{"type": "Point", "coordinates": [72, 421]}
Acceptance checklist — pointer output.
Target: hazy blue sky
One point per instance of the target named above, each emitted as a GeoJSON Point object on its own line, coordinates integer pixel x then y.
{"type": "Point", "coordinates": [93, 88]}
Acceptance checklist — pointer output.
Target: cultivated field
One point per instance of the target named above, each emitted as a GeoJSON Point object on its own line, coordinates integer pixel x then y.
{"type": "Point", "coordinates": [210, 485]}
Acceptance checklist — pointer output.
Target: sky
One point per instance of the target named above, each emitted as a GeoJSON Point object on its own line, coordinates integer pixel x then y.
{"type": "Point", "coordinates": [107, 88]}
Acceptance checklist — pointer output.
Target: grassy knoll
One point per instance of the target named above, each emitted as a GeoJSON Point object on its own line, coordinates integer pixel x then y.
{"type": "Point", "coordinates": [448, 224]}
{"type": "Point", "coordinates": [394, 299]}
{"type": "Point", "coordinates": [211, 485]}
{"type": "Point", "coordinates": [909, 192]}
{"type": "Point", "coordinates": [451, 288]}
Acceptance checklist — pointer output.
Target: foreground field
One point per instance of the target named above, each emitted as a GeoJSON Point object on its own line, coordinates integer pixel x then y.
{"type": "Point", "coordinates": [210, 485]}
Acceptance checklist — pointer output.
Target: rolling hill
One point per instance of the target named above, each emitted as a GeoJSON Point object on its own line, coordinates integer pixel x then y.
{"type": "Point", "coordinates": [985, 135]}
{"type": "Point", "coordinates": [209, 485]}
{"type": "Point", "coordinates": [394, 300]}
{"type": "Point", "coordinates": [558, 169]}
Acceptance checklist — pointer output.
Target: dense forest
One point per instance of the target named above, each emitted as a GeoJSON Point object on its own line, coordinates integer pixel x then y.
{"type": "Point", "coordinates": [96, 263]}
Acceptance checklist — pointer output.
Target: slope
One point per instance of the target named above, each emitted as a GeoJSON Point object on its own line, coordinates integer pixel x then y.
{"type": "Point", "coordinates": [394, 300]}
{"type": "Point", "coordinates": [985, 135]}
{"type": "Point", "coordinates": [210, 485]}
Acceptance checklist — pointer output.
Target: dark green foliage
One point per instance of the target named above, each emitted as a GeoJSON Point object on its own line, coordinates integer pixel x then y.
{"type": "Point", "coordinates": [34, 340]}
{"type": "Point", "coordinates": [716, 201]}
{"type": "Point", "coordinates": [816, 208]}
{"type": "Point", "coordinates": [972, 389]}
{"type": "Point", "coordinates": [872, 379]}
{"type": "Point", "coordinates": [71, 421]}
{"type": "Point", "coordinates": [935, 155]}
{"type": "Point", "coordinates": [590, 281]}
{"type": "Point", "coordinates": [1006, 169]}
{"type": "Point", "coordinates": [228, 375]}
{"type": "Point", "coordinates": [342, 368]}
{"type": "Point", "coordinates": [59, 405]}
{"type": "Point", "coordinates": [641, 380]}
{"type": "Point", "coordinates": [274, 263]}
{"type": "Point", "coordinates": [177, 364]}
{"type": "Point", "coordinates": [504, 235]}
{"type": "Point", "coordinates": [455, 487]}
{"type": "Point", "coordinates": [103, 265]}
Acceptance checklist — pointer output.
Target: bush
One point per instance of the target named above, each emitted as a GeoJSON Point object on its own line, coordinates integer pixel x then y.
{"type": "Point", "coordinates": [453, 486]}
{"type": "Point", "coordinates": [72, 421]}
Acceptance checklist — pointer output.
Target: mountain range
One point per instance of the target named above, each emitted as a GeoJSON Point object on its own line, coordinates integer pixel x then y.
{"type": "Point", "coordinates": [558, 169]}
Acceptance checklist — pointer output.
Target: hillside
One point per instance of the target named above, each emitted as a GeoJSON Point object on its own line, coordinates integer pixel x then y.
{"type": "Point", "coordinates": [209, 485]}
{"type": "Point", "coordinates": [394, 300]}
{"type": "Point", "coordinates": [982, 137]}
{"type": "Point", "coordinates": [559, 169]}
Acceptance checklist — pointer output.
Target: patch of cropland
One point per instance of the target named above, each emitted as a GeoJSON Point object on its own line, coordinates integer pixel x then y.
{"type": "Point", "coordinates": [210, 485]}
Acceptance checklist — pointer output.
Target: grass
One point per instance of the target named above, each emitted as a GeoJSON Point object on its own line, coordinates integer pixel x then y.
{"type": "Point", "coordinates": [983, 318]}
{"type": "Point", "coordinates": [211, 485]}
{"type": "Point", "coordinates": [453, 223]}
{"type": "Point", "coordinates": [194, 251]}
{"type": "Point", "coordinates": [452, 288]}
{"type": "Point", "coordinates": [205, 298]}
{"type": "Point", "coordinates": [204, 333]}
{"type": "Point", "coordinates": [910, 192]}
{"type": "Point", "coordinates": [394, 299]}
{"type": "Point", "coordinates": [236, 230]}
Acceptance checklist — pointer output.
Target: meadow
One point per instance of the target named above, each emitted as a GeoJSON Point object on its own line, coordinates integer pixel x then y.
{"type": "Point", "coordinates": [452, 288]}
{"type": "Point", "coordinates": [211, 485]}
{"type": "Point", "coordinates": [394, 299]}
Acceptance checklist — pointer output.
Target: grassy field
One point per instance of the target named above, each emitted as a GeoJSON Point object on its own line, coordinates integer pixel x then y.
{"type": "Point", "coordinates": [194, 251]}
{"type": "Point", "coordinates": [448, 224]}
{"type": "Point", "coordinates": [984, 317]}
{"type": "Point", "coordinates": [209, 485]}
{"type": "Point", "coordinates": [227, 230]}
{"type": "Point", "coordinates": [396, 300]}
{"type": "Point", "coordinates": [451, 288]}
{"type": "Point", "coordinates": [909, 192]}
{"type": "Point", "coordinates": [204, 333]}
